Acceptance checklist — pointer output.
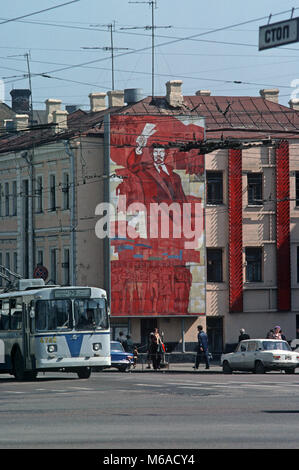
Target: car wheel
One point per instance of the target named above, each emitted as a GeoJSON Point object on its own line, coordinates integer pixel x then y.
{"type": "Point", "coordinates": [122, 368]}
{"type": "Point", "coordinates": [290, 371]}
{"type": "Point", "coordinates": [259, 368]}
{"type": "Point", "coordinates": [84, 373]}
{"type": "Point", "coordinates": [226, 368]}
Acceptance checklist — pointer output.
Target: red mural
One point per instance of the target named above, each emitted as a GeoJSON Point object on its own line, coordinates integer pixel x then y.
{"type": "Point", "coordinates": [149, 275]}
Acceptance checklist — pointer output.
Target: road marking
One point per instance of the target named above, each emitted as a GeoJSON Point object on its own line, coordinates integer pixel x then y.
{"type": "Point", "coordinates": [150, 385]}
{"type": "Point", "coordinates": [81, 388]}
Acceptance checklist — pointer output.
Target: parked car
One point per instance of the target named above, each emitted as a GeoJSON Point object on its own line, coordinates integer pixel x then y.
{"type": "Point", "coordinates": [260, 356]}
{"type": "Point", "coordinates": [120, 359]}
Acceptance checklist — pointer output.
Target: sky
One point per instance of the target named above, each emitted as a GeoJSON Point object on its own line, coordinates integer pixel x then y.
{"type": "Point", "coordinates": [207, 45]}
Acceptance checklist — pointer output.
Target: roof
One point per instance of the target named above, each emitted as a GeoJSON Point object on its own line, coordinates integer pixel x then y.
{"type": "Point", "coordinates": [6, 112]}
{"type": "Point", "coordinates": [239, 117]}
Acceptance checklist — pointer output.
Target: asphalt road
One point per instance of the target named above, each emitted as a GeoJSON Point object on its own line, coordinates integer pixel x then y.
{"type": "Point", "coordinates": [114, 410]}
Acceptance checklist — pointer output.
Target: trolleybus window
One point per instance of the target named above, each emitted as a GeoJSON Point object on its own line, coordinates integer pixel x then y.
{"type": "Point", "coordinates": [90, 314]}
{"type": "Point", "coordinates": [16, 313]}
{"type": "Point", "coordinates": [53, 315]}
{"type": "Point", "coordinates": [4, 314]}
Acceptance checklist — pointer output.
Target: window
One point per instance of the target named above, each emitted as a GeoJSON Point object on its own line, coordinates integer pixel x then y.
{"type": "Point", "coordinates": [4, 314]}
{"type": "Point", "coordinates": [52, 193]}
{"type": "Point", "coordinates": [15, 262]}
{"type": "Point", "coordinates": [16, 313]}
{"type": "Point", "coordinates": [14, 198]}
{"type": "Point", "coordinates": [6, 194]}
{"type": "Point", "coordinates": [253, 264]}
{"type": "Point", "coordinates": [53, 315]}
{"type": "Point", "coordinates": [297, 188]}
{"type": "Point", "coordinates": [252, 346]}
{"type": "Point", "coordinates": [214, 265]}
{"type": "Point", "coordinates": [1, 264]}
{"type": "Point", "coordinates": [7, 260]}
{"type": "Point", "coordinates": [255, 188]}
{"type": "Point", "coordinates": [66, 191]}
{"type": "Point", "coordinates": [39, 194]}
{"type": "Point", "coordinates": [53, 260]}
{"type": "Point", "coordinates": [214, 187]}
{"type": "Point", "coordinates": [40, 257]}
{"type": "Point", "coordinates": [66, 266]}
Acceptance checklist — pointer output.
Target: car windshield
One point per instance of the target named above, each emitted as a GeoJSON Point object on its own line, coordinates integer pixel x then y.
{"type": "Point", "coordinates": [90, 314]}
{"type": "Point", "coordinates": [270, 345]}
{"type": "Point", "coordinates": [53, 315]}
{"type": "Point", "coordinates": [117, 347]}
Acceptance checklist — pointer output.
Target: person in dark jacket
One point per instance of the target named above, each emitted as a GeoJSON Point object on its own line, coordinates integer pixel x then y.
{"type": "Point", "coordinates": [155, 352]}
{"type": "Point", "coordinates": [243, 335]}
{"type": "Point", "coordinates": [203, 348]}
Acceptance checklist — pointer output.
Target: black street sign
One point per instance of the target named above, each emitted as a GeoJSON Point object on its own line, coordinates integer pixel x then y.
{"type": "Point", "coordinates": [278, 34]}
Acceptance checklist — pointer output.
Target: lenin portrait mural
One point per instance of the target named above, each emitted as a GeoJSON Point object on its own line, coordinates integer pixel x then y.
{"type": "Point", "coordinates": [158, 239]}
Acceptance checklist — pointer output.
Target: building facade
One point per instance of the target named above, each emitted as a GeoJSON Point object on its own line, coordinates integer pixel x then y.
{"type": "Point", "coordinates": [52, 180]}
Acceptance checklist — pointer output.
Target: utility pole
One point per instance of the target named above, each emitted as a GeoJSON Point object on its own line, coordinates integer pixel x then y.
{"type": "Point", "coordinates": [153, 5]}
{"type": "Point", "coordinates": [111, 28]}
{"type": "Point", "coordinates": [27, 56]}
{"type": "Point", "coordinates": [30, 88]}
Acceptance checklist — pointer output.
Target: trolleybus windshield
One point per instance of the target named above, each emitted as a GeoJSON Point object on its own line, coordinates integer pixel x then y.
{"type": "Point", "coordinates": [53, 315]}
{"type": "Point", "coordinates": [90, 314]}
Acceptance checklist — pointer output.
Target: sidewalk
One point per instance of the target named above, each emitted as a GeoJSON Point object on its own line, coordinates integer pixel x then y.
{"type": "Point", "coordinates": [181, 368]}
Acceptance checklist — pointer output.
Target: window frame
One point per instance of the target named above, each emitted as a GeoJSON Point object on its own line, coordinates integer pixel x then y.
{"type": "Point", "coordinates": [218, 269]}
{"type": "Point", "coordinates": [254, 269]}
{"type": "Point", "coordinates": [216, 198]}
{"type": "Point", "coordinates": [252, 190]}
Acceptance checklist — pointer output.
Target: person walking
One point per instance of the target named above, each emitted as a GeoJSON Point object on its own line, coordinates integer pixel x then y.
{"type": "Point", "coordinates": [155, 352]}
{"type": "Point", "coordinates": [128, 344]}
{"type": "Point", "coordinates": [121, 337]}
{"type": "Point", "coordinates": [203, 348]}
{"type": "Point", "coordinates": [277, 334]}
{"type": "Point", "coordinates": [243, 335]}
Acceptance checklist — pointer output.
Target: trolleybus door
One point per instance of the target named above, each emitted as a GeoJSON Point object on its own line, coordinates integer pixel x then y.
{"type": "Point", "coordinates": [26, 336]}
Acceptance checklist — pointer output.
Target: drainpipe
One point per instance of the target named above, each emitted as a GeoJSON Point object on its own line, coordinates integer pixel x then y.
{"type": "Point", "coordinates": [30, 242]}
{"type": "Point", "coordinates": [107, 267]}
{"type": "Point", "coordinates": [70, 153]}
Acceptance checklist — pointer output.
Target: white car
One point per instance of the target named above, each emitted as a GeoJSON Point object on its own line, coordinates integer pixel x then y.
{"type": "Point", "coordinates": [261, 355]}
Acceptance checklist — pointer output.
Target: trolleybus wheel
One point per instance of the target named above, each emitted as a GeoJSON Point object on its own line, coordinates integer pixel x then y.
{"type": "Point", "coordinates": [84, 372]}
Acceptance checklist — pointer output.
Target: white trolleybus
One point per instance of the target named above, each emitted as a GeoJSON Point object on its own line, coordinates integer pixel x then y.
{"type": "Point", "coordinates": [52, 328]}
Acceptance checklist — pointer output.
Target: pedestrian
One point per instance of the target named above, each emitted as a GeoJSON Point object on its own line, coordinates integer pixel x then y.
{"type": "Point", "coordinates": [155, 352]}
{"type": "Point", "coordinates": [270, 334]}
{"type": "Point", "coordinates": [277, 334]}
{"type": "Point", "coordinates": [203, 348]}
{"type": "Point", "coordinates": [148, 357]}
{"type": "Point", "coordinates": [135, 354]}
{"type": "Point", "coordinates": [128, 344]}
{"type": "Point", "coordinates": [282, 336]}
{"type": "Point", "coordinates": [243, 335]}
{"type": "Point", "coordinates": [121, 337]}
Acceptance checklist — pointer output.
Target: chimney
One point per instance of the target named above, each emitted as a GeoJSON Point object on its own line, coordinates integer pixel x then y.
{"type": "Point", "coordinates": [203, 93]}
{"type": "Point", "coordinates": [174, 95]}
{"type": "Point", "coordinates": [271, 94]}
{"type": "Point", "coordinates": [97, 102]}
{"type": "Point", "coordinates": [51, 106]}
{"type": "Point", "coordinates": [116, 98]}
{"type": "Point", "coordinates": [20, 101]}
{"type": "Point", "coordinates": [294, 104]}
{"type": "Point", "coordinates": [60, 119]}
{"type": "Point", "coordinates": [21, 121]}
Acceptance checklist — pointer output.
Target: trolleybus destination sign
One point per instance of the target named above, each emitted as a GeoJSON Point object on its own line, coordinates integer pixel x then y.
{"type": "Point", "coordinates": [278, 34]}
